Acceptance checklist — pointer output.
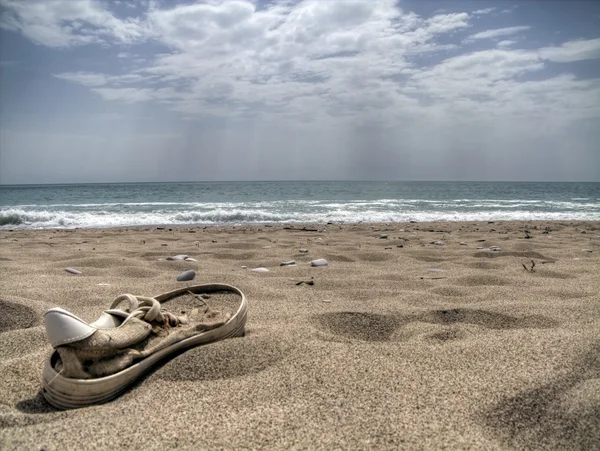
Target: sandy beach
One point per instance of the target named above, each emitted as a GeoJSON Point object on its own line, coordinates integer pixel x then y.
{"type": "Point", "coordinates": [415, 336]}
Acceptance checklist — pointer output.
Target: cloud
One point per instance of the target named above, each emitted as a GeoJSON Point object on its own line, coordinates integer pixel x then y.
{"type": "Point", "coordinates": [281, 61]}
{"type": "Point", "coordinates": [67, 23]}
{"type": "Point", "coordinates": [445, 23]}
{"type": "Point", "coordinates": [324, 80]}
{"type": "Point", "coordinates": [480, 12]}
{"type": "Point", "coordinates": [86, 79]}
{"type": "Point", "coordinates": [313, 62]}
{"type": "Point", "coordinates": [572, 51]}
{"type": "Point", "coordinates": [91, 79]}
{"type": "Point", "coordinates": [486, 86]}
{"type": "Point", "coordinates": [498, 32]}
{"type": "Point", "coordinates": [506, 43]}
{"type": "Point", "coordinates": [127, 95]}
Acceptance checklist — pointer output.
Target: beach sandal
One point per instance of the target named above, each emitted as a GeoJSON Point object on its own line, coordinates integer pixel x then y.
{"type": "Point", "coordinates": [94, 363]}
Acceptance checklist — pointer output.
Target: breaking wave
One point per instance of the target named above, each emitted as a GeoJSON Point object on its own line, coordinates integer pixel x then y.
{"type": "Point", "coordinates": [104, 215]}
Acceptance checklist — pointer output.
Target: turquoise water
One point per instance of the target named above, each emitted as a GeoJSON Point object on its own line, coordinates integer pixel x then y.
{"type": "Point", "coordinates": [219, 203]}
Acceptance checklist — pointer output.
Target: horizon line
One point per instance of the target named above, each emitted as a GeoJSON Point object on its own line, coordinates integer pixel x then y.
{"type": "Point", "coordinates": [8, 185]}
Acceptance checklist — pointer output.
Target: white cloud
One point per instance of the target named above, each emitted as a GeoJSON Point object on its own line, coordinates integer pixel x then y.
{"type": "Point", "coordinates": [573, 51]}
{"type": "Point", "coordinates": [65, 23]}
{"type": "Point", "coordinates": [286, 58]}
{"type": "Point", "coordinates": [313, 62]}
{"type": "Point", "coordinates": [498, 32]}
{"type": "Point", "coordinates": [480, 12]}
{"type": "Point", "coordinates": [97, 79]}
{"type": "Point", "coordinates": [127, 95]}
{"type": "Point", "coordinates": [445, 23]}
{"type": "Point", "coordinates": [506, 43]}
{"type": "Point", "coordinates": [86, 79]}
{"type": "Point", "coordinates": [486, 88]}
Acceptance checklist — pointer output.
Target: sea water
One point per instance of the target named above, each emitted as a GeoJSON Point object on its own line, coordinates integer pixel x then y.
{"type": "Point", "coordinates": [231, 203]}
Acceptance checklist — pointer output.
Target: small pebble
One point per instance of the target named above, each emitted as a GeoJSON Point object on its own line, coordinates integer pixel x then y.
{"type": "Point", "coordinates": [319, 262]}
{"type": "Point", "coordinates": [244, 267]}
{"type": "Point", "coordinates": [462, 243]}
{"type": "Point", "coordinates": [383, 236]}
{"type": "Point", "coordinates": [586, 250]}
{"type": "Point", "coordinates": [435, 270]}
{"type": "Point", "coordinates": [259, 270]}
{"type": "Point", "coordinates": [303, 251]}
{"type": "Point", "coordinates": [72, 271]}
{"type": "Point", "coordinates": [438, 243]}
{"type": "Point", "coordinates": [288, 263]}
{"type": "Point", "coordinates": [186, 275]}
{"type": "Point", "coordinates": [327, 300]}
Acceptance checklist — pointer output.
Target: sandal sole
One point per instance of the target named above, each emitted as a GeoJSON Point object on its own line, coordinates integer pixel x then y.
{"type": "Point", "coordinates": [68, 393]}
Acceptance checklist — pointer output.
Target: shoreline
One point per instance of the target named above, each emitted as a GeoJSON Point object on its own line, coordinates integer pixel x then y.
{"type": "Point", "coordinates": [300, 225]}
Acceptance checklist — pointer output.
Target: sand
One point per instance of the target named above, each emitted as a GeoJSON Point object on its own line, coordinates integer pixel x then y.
{"type": "Point", "coordinates": [380, 352]}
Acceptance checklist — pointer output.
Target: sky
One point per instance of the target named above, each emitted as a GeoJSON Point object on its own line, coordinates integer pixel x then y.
{"type": "Point", "coordinates": [146, 90]}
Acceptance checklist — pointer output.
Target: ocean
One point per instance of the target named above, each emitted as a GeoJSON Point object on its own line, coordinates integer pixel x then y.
{"type": "Point", "coordinates": [232, 203]}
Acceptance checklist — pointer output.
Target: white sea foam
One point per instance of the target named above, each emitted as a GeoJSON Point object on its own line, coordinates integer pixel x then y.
{"type": "Point", "coordinates": [215, 213]}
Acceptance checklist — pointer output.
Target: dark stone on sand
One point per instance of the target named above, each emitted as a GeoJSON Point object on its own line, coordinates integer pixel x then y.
{"type": "Point", "coordinates": [288, 263]}
{"type": "Point", "coordinates": [186, 275]}
{"type": "Point", "coordinates": [73, 271]}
